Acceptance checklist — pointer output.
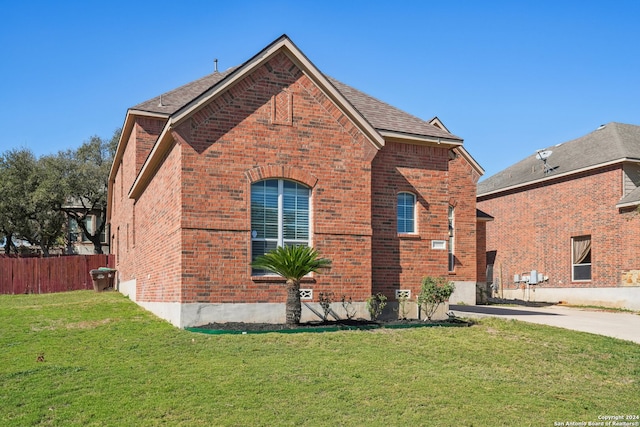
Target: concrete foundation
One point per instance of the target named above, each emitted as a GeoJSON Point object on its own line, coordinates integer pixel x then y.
{"type": "Point", "coordinates": [464, 293]}
{"type": "Point", "coordinates": [619, 297]}
{"type": "Point", "coordinates": [197, 314]}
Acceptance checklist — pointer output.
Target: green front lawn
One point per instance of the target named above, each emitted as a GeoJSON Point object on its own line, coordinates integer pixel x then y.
{"type": "Point", "coordinates": [94, 359]}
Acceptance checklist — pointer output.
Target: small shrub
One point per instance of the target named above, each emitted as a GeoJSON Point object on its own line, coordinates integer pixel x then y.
{"type": "Point", "coordinates": [375, 305]}
{"type": "Point", "coordinates": [347, 304]}
{"type": "Point", "coordinates": [435, 291]}
{"type": "Point", "coordinates": [325, 299]}
{"type": "Point", "coordinates": [403, 309]}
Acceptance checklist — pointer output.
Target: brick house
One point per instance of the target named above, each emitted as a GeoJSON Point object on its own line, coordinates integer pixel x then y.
{"type": "Point", "coordinates": [274, 152]}
{"type": "Point", "coordinates": [570, 214]}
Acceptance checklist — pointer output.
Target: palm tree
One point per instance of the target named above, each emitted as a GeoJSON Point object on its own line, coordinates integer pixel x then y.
{"type": "Point", "coordinates": [292, 263]}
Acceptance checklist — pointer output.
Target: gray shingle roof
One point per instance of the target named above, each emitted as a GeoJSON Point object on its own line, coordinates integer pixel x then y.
{"type": "Point", "coordinates": [383, 116]}
{"type": "Point", "coordinates": [380, 115]}
{"type": "Point", "coordinates": [174, 100]}
{"type": "Point", "coordinates": [607, 144]}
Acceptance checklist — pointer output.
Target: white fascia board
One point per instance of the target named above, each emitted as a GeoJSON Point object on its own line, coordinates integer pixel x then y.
{"type": "Point", "coordinates": [126, 132]}
{"type": "Point", "coordinates": [553, 177]}
{"type": "Point", "coordinates": [306, 65]}
{"type": "Point", "coordinates": [420, 139]}
{"type": "Point", "coordinates": [184, 113]}
{"type": "Point", "coordinates": [628, 204]}
{"type": "Point", "coordinates": [469, 158]}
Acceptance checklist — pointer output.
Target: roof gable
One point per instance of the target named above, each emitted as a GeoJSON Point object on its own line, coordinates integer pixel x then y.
{"type": "Point", "coordinates": [609, 144]}
{"type": "Point", "coordinates": [377, 120]}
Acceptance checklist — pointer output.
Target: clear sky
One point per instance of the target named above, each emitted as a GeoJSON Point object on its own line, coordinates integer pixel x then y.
{"type": "Point", "coordinates": [509, 77]}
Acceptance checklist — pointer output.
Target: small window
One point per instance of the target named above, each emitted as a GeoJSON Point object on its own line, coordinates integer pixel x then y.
{"type": "Point", "coordinates": [103, 234]}
{"type": "Point", "coordinates": [581, 258]}
{"type": "Point", "coordinates": [74, 230]}
{"type": "Point", "coordinates": [88, 221]}
{"type": "Point", "coordinates": [406, 213]}
{"type": "Point", "coordinates": [452, 225]}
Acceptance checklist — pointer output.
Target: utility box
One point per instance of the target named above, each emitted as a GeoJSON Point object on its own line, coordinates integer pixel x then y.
{"type": "Point", "coordinates": [103, 278]}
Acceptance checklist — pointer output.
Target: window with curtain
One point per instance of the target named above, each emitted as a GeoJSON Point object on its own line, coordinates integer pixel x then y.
{"type": "Point", "coordinates": [406, 213]}
{"type": "Point", "coordinates": [581, 258]}
{"type": "Point", "coordinates": [279, 216]}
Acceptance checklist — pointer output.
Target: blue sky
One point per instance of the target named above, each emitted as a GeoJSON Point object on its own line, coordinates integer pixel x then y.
{"type": "Point", "coordinates": [509, 77]}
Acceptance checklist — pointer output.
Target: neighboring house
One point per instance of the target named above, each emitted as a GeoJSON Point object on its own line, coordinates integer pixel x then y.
{"type": "Point", "coordinates": [210, 175]}
{"type": "Point", "coordinates": [78, 242]}
{"type": "Point", "coordinates": [569, 213]}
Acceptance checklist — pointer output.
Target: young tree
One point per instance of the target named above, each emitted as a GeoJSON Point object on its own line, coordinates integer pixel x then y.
{"type": "Point", "coordinates": [87, 184]}
{"type": "Point", "coordinates": [292, 263]}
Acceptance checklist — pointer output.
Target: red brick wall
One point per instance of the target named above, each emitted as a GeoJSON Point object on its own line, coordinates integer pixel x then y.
{"type": "Point", "coordinates": [533, 229]}
{"type": "Point", "coordinates": [401, 261]}
{"type": "Point", "coordinates": [146, 131]}
{"type": "Point", "coordinates": [158, 239]}
{"type": "Point", "coordinates": [462, 190]}
{"type": "Point", "coordinates": [192, 223]}
{"type": "Point", "coordinates": [233, 142]}
{"type": "Point", "coordinates": [122, 213]}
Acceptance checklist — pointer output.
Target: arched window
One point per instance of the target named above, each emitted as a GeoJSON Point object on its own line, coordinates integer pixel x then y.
{"type": "Point", "coordinates": [406, 213]}
{"type": "Point", "coordinates": [279, 215]}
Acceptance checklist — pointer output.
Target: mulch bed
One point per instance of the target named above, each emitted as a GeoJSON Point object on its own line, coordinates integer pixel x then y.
{"type": "Point", "coordinates": [318, 326]}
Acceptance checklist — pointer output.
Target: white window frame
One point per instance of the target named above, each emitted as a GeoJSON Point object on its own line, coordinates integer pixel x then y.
{"type": "Point", "coordinates": [414, 219]}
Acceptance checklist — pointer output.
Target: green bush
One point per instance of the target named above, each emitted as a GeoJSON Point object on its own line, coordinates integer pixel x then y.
{"type": "Point", "coordinates": [435, 291]}
{"type": "Point", "coordinates": [375, 305]}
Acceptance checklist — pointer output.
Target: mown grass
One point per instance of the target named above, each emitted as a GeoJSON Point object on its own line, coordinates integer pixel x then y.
{"type": "Point", "coordinates": [97, 359]}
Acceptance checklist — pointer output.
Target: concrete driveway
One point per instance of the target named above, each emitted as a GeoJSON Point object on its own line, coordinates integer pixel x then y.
{"type": "Point", "coordinates": [625, 326]}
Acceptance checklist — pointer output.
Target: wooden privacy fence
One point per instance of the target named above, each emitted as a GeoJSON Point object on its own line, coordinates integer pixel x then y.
{"type": "Point", "coordinates": [47, 275]}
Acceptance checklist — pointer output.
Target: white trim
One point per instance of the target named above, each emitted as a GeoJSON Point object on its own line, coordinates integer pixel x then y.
{"type": "Point", "coordinates": [628, 204]}
{"type": "Point", "coordinates": [552, 177]}
{"type": "Point", "coordinates": [439, 245]}
{"type": "Point", "coordinates": [288, 48]}
{"type": "Point", "coordinates": [419, 139]}
{"type": "Point", "coordinates": [469, 158]}
{"type": "Point", "coordinates": [415, 214]}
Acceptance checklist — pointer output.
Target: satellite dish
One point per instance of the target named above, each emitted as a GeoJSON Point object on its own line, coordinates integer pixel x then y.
{"type": "Point", "coordinates": [543, 155]}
